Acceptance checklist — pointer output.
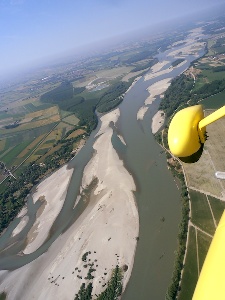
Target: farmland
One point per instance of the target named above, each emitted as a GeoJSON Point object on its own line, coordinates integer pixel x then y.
{"type": "Point", "coordinates": [36, 133]}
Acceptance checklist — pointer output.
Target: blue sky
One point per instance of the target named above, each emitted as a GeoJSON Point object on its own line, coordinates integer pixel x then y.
{"type": "Point", "coordinates": [31, 30]}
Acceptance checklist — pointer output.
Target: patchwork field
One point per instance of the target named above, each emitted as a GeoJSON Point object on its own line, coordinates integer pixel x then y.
{"type": "Point", "coordinates": [37, 133]}
{"type": "Point", "coordinates": [76, 133]}
{"type": "Point", "coordinates": [201, 229]}
{"type": "Point", "coordinates": [72, 120]}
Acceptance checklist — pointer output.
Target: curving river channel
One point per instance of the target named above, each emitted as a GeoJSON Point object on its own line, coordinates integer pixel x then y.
{"type": "Point", "coordinates": [157, 196]}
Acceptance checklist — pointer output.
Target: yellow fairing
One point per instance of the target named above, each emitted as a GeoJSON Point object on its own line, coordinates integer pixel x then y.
{"type": "Point", "coordinates": [183, 134]}
{"type": "Point", "coordinates": [211, 283]}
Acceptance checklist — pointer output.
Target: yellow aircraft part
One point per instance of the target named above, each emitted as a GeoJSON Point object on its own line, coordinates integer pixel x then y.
{"type": "Point", "coordinates": [219, 113]}
{"type": "Point", "coordinates": [184, 138]}
{"type": "Point", "coordinates": [211, 283]}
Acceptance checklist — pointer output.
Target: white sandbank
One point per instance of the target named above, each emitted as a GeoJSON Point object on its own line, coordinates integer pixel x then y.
{"type": "Point", "coordinates": [154, 90]}
{"type": "Point", "coordinates": [157, 89]}
{"type": "Point", "coordinates": [122, 139]}
{"type": "Point", "coordinates": [141, 113]}
{"type": "Point", "coordinates": [23, 222]}
{"type": "Point", "coordinates": [157, 67]}
{"type": "Point", "coordinates": [108, 226]}
{"type": "Point", "coordinates": [157, 121]}
{"type": "Point", "coordinates": [23, 212]}
{"type": "Point", "coordinates": [53, 189]}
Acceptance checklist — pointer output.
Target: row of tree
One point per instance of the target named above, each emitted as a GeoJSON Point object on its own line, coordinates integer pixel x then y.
{"type": "Point", "coordinates": [182, 234]}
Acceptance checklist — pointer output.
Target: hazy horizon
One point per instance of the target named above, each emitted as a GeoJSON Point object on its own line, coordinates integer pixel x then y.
{"type": "Point", "coordinates": [33, 31]}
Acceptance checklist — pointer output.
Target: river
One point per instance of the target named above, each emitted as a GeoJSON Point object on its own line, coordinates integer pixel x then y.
{"type": "Point", "coordinates": [157, 196]}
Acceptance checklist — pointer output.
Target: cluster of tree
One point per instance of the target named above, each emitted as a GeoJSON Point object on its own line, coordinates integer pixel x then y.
{"type": "Point", "coordinates": [219, 43]}
{"type": "Point", "coordinates": [207, 90]}
{"type": "Point", "coordinates": [177, 62]}
{"type": "Point", "coordinates": [3, 296]}
{"type": "Point", "coordinates": [219, 69]}
{"type": "Point", "coordinates": [67, 98]}
{"type": "Point", "coordinates": [85, 255]}
{"type": "Point", "coordinates": [140, 56]}
{"type": "Point", "coordinates": [10, 126]}
{"type": "Point", "coordinates": [145, 66]}
{"type": "Point", "coordinates": [112, 291]}
{"type": "Point", "coordinates": [179, 92]}
{"type": "Point", "coordinates": [84, 292]}
{"type": "Point", "coordinates": [85, 111]}
{"type": "Point", "coordinates": [113, 96]}
{"type": "Point", "coordinates": [59, 94]}
{"type": "Point", "coordinates": [114, 286]}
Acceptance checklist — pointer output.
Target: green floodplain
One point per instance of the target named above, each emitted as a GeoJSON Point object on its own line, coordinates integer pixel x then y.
{"type": "Point", "coordinates": [46, 124]}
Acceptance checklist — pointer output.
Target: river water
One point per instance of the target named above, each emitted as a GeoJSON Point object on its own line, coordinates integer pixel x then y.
{"type": "Point", "coordinates": [157, 197]}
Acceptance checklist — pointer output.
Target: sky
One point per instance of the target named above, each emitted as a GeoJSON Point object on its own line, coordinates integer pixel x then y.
{"type": "Point", "coordinates": [32, 30]}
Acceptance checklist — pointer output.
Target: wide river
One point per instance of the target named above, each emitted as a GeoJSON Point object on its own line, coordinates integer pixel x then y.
{"type": "Point", "coordinates": [157, 196]}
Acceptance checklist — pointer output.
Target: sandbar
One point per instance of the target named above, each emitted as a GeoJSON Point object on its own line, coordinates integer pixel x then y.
{"type": "Point", "coordinates": [107, 230]}
{"type": "Point", "coordinates": [158, 121]}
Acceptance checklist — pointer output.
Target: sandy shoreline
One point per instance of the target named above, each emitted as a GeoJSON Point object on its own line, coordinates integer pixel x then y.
{"type": "Point", "coordinates": [97, 231]}
{"type": "Point", "coordinates": [53, 189]}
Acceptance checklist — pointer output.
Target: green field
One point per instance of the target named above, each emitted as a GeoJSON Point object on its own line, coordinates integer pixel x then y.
{"type": "Point", "coordinates": [72, 120]}
{"type": "Point", "coordinates": [198, 242]}
{"type": "Point", "coordinates": [200, 212]}
{"type": "Point", "coordinates": [214, 102]}
{"type": "Point", "coordinates": [204, 242]}
{"type": "Point", "coordinates": [207, 76]}
{"type": "Point", "coordinates": [9, 157]}
{"type": "Point", "coordinates": [217, 208]}
{"type": "Point", "coordinates": [3, 296]}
